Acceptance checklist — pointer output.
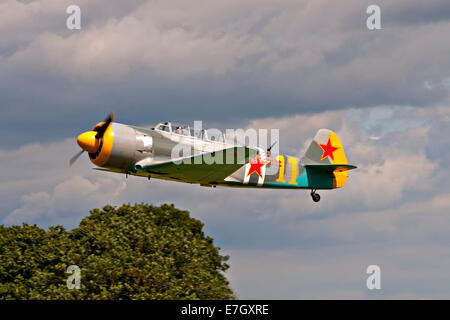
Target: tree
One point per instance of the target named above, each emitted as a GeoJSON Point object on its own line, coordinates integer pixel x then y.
{"type": "Point", "coordinates": [130, 252]}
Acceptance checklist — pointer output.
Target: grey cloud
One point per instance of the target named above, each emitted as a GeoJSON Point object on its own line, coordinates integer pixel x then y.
{"type": "Point", "coordinates": [415, 12]}
{"type": "Point", "coordinates": [67, 203]}
{"type": "Point", "coordinates": [339, 272]}
{"type": "Point", "coordinates": [223, 62]}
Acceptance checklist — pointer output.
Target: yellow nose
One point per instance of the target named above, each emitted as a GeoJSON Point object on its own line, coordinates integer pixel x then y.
{"type": "Point", "coordinates": [88, 142]}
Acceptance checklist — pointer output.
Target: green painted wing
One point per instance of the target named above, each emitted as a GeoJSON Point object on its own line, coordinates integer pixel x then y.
{"type": "Point", "coordinates": [208, 168]}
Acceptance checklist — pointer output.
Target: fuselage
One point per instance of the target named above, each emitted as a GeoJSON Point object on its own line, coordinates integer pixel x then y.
{"type": "Point", "coordinates": [129, 149]}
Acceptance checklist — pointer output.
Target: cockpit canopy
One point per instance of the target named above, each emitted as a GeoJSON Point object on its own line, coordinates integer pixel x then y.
{"type": "Point", "coordinates": [180, 129]}
{"type": "Point", "coordinates": [185, 130]}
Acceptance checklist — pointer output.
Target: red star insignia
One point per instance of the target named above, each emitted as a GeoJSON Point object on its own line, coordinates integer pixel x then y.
{"type": "Point", "coordinates": [255, 166]}
{"type": "Point", "coordinates": [328, 150]}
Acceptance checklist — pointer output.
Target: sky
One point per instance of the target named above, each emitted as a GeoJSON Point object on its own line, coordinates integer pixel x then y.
{"type": "Point", "coordinates": [296, 66]}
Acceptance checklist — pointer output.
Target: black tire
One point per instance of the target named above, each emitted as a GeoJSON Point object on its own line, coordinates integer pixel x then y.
{"type": "Point", "coordinates": [315, 197]}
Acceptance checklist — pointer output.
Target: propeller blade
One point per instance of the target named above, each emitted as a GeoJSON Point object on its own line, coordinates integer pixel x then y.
{"type": "Point", "coordinates": [74, 158]}
{"type": "Point", "coordinates": [101, 130]}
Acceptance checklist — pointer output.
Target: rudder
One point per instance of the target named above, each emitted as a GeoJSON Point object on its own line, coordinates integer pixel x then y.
{"type": "Point", "coordinates": [326, 149]}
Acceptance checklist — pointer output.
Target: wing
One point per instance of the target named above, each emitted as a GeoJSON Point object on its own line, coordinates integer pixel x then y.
{"type": "Point", "coordinates": [207, 168]}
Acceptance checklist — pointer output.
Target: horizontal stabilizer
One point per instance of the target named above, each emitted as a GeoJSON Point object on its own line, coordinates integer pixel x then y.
{"type": "Point", "coordinates": [329, 168]}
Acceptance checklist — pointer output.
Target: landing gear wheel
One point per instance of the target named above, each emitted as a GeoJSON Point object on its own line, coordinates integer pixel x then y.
{"type": "Point", "coordinates": [315, 196]}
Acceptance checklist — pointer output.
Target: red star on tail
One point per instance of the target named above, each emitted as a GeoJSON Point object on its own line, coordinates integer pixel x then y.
{"type": "Point", "coordinates": [328, 150]}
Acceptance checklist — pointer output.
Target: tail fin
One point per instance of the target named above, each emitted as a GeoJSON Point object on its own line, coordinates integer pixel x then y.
{"type": "Point", "coordinates": [326, 153]}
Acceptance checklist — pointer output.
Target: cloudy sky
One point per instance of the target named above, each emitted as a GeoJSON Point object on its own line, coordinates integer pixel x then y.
{"type": "Point", "coordinates": [294, 65]}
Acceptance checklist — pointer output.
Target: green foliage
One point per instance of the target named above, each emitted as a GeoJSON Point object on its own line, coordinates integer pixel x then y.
{"type": "Point", "coordinates": [132, 252]}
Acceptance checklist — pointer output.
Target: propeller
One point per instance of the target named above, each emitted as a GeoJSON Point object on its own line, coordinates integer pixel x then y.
{"type": "Point", "coordinates": [93, 138]}
{"type": "Point", "coordinates": [74, 158]}
{"type": "Point", "coordinates": [101, 129]}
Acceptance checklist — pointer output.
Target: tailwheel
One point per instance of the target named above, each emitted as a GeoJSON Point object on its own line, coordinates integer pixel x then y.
{"type": "Point", "coordinates": [315, 196]}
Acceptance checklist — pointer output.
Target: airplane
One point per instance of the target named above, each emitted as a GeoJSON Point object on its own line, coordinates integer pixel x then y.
{"type": "Point", "coordinates": [148, 152]}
